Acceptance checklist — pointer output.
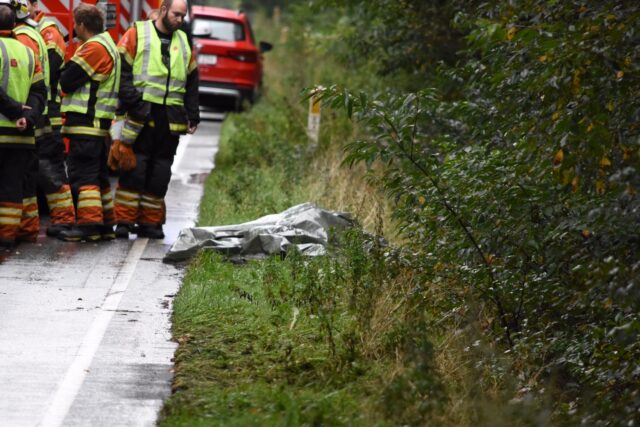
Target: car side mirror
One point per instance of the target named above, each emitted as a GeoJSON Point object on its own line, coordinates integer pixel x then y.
{"type": "Point", "coordinates": [265, 47]}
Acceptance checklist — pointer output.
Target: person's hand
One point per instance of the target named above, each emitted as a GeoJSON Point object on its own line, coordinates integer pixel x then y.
{"type": "Point", "coordinates": [192, 128]}
{"type": "Point", "coordinates": [21, 124]}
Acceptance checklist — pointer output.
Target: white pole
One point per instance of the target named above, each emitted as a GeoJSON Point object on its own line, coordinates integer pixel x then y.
{"type": "Point", "coordinates": [135, 11]}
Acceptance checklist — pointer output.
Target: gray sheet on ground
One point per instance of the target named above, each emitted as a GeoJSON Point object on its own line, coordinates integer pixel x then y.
{"type": "Point", "coordinates": [306, 226]}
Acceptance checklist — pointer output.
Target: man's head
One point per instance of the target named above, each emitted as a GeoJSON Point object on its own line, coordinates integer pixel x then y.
{"type": "Point", "coordinates": [88, 21]}
{"type": "Point", "coordinates": [172, 13]}
{"type": "Point", "coordinates": [32, 7]}
{"type": "Point", "coordinates": [7, 17]}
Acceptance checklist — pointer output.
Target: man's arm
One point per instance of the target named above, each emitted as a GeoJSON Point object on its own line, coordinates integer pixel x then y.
{"type": "Point", "coordinates": [192, 99]}
{"type": "Point", "coordinates": [9, 107]}
{"type": "Point", "coordinates": [36, 100]}
{"type": "Point", "coordinates": [55, 63]}
{"type": "Point", "coordinates": [130, 97]}
{"type": "Point", "coordinates": [73, 77]}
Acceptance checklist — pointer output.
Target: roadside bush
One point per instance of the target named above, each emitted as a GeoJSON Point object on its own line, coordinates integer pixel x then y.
{"type": "Point", "coordinates": [522, 183]}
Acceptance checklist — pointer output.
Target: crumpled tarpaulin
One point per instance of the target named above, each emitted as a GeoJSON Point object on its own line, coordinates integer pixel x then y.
{"type": "Point", "coordinates": [304, 226]}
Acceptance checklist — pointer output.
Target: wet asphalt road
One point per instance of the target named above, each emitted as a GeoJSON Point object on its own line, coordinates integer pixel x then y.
{"type": "Point", "coordinates": [85, 327]}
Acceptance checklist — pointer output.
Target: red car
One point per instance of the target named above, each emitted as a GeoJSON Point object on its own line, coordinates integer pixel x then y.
{"type": "Point", "coordinates": [229, 58]}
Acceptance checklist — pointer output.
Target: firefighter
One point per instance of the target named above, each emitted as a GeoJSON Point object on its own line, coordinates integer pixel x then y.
{"type": "Point", "coordinates": [27, 34]}
{"type": "Point", "coordinates": [22, 99]}
{"type": "Point", "coordinates": [159, 91]}
{"type": "Point", "coordinates": [52, 174]}
{"type": "Point", "coordinates": [90, 82]}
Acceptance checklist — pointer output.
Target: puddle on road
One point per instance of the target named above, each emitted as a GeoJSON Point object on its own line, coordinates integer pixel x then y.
{"type": "Point", "coordinates": [197, 178]}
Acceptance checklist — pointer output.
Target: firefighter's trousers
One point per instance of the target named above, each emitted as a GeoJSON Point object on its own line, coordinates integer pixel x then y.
{"type": "Point", "coordinates": [14, 163]}
{"type": "Point", "coordinates": [89, 179]}
{"type": "Point", "coordinates": [30, 222]}
{"type": "Point", "coordinates": [52, 177]}
{"type": "Point", "coordinates": [140, 192]}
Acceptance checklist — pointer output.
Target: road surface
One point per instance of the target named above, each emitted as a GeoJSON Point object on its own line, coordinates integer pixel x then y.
{"type": "Point", "coordinates": [85, 327]}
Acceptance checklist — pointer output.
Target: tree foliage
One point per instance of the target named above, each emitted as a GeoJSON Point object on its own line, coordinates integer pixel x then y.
{"type": "Point", "coordinates": [515, 169]}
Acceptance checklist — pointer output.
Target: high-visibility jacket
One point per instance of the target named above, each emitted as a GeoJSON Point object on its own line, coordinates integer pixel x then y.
{"type": "Point", "coordinates": [55, 42]}
{"type": "Point", "coordinates": [159, 84]}
{"type": "Point", "coordinates": [100, 102]}
{"type": "Point", "coordinates": [17, 74]}
{"type": "Point", "coordinates": [33, 34]}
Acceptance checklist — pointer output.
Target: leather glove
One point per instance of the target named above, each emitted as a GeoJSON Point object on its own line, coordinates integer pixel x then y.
{"type": "Point", "coordinates": [121, 157]}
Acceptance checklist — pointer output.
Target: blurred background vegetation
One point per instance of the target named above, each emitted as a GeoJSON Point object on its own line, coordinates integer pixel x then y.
{"type": "Point", "coordinates": [496, 145]}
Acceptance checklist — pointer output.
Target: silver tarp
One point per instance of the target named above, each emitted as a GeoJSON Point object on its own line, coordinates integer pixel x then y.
{"type": "Point", "coordinates": [305, 226]}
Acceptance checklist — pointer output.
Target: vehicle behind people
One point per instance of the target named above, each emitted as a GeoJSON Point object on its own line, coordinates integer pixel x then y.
{"type": "Point", "coordinates": [229, 57]}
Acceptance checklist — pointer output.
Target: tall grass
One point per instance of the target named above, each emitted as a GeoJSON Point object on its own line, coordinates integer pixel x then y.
{"type": "Point", "coordinates": [354, 338]}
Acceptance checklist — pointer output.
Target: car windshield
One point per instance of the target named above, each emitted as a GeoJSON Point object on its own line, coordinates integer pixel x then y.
{"type": "Point", "coordinates": [217, 29]}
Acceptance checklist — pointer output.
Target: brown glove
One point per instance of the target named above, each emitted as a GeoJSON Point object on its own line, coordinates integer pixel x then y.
{"type": "Point", "coordinates": [121, 157]}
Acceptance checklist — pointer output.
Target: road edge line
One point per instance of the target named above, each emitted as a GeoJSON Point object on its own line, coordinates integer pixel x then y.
{"type": "Point", "coordinates": [69, 387]}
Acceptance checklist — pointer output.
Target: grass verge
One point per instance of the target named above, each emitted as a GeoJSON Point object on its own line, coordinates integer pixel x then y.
{"type": "Point", "coordinates": [354, 338]}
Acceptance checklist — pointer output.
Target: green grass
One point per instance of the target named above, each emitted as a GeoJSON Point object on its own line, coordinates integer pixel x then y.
{"type": "Point", "coordinates": [243, 360]}
{"type": "Point", "coordinates": [353, 338]}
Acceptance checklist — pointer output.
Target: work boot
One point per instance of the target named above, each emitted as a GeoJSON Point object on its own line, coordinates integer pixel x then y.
{"type": "Point", "coordinates": [78, 233]}
{"type": "Point", "coordinates": [54, 229]}
{"type": "Point", "coordinates": [122, 231]}
{"type": "Point", "coordinates": [151, 231]}
{"type": "Point", "coordinates": [107, 232]}
{"type": "Point", "coordinates": [27, 238]}
{"type": "Point", "coordinates": [7, 244]}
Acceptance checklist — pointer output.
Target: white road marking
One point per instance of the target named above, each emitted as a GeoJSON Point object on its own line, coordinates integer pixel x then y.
{"type": "Point", "coordinates": [68, 389]}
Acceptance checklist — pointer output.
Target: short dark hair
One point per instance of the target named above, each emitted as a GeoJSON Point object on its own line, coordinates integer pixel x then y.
{"type": "Point", "coordinates": [7, 17]}
{"type": "Point", "coordinates": [90, 16]}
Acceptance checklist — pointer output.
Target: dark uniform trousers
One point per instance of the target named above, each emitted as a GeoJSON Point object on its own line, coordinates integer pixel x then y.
{"type": "Point", "coordinates": [13, 164]}
{"type": "Point", "coordinates": [89, 177]}
{"type": "Point", "coordinates": [140, 193]}
{"type": "Point", "coordinates": [52, 175]}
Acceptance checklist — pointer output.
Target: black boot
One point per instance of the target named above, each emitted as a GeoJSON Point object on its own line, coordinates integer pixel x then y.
{"type": "Point", "coordinates": [54, 229]}
{"type": "Point", "coordinates": [122, 231]}
{"type": "Point", "coordinates": [151, 231]}
{"type": "Point", "coordinates": [7, 244]}
{"type": "Point", "coordinates": [107, 232]}
{"type": "Point", "coordinates": [78, 233]}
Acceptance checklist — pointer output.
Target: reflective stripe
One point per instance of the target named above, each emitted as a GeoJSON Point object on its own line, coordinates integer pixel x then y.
{"type": "Point", "coordinates": [9, 220]}
{"type": "Point", "coordinates": [147, 204]}
{"type": "Point", "coordinates": [106, 99]}
{"type": "Point", "coordinates": [10, 211]}
{"type": "Point", "coordinates": [84, 130]}
{"type": "Point", "coordinates": [127, 194]}
{"type": "Point", "coordinates": [151, 75]}
{"type": "Point", "coordinates": [89, 198]}
{"type": "Point", "coordinates": [178, 127]}
{"type": "Point", "coordinates": [65, 203]}
{"type": "Point", "coordinates": [15, 139]}
{"type": "Point", "coordinates": [43, 56]}
{"type": "Point", "coordinates": [89, 204]}
{"type": "Point", "coordinates": [130, 203]}
{"type": "Point", "coordinates": [5, 65]}
{"type": "Point", "coordinates": [127, 198]}
{"type": "Point", "coordinates": [52, 197]}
